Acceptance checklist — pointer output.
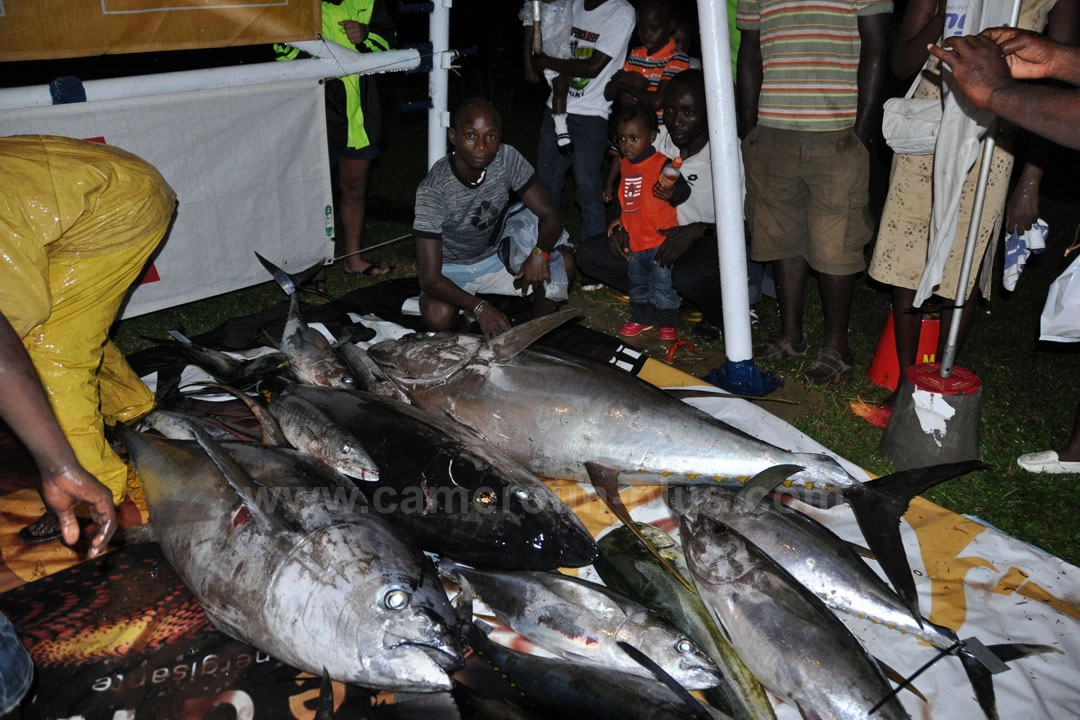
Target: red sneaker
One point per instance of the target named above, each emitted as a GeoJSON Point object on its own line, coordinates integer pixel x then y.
{"type": "Point", "coordinates": [669, 333]}
{"type": "Point", "coordinates": [633, 329]}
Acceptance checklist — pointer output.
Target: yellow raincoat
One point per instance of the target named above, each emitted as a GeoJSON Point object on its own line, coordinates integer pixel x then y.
{"type": "Point", "coordinates": [78, 221]}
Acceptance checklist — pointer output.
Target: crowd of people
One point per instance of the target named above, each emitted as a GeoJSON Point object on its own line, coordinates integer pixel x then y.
{"type": "Point", "coordinates": [488, 222]}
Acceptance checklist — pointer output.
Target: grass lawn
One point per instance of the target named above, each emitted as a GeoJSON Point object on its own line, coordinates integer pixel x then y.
{"type": "Point", "coordinates": [1030, 389]}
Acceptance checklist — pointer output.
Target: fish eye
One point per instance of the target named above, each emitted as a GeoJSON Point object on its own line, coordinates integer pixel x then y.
{"type": "Point", "coordinates": [522, 494]}
{"type": "Point", "coordinates": [684, 646]}
{"type": "Point", "coordinates": [347, 380]}
{"type": "Point", "coordinates": [396, 599]}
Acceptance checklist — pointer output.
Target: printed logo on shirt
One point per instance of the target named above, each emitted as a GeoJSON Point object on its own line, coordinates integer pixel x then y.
{"type": "Point", "coordinates": [632, 187]}
{"type": "Point", "coordinates": [580, 52]}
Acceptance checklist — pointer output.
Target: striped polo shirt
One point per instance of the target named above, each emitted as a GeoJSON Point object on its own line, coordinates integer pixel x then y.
{"type": "Point", "coordinates": [664, 65]}
{"type": "Point", "coordinates": [810, 60]}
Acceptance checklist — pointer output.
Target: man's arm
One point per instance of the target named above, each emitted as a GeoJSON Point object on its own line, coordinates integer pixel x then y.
{"type": "Point", "coordinates": [750, 76]}
{"type": "Point", "coordinates": [536, 269]}
{"type": "Point", "coordinates": [873, 31]}
{"type": "Point", "coordinates": [983, 76]}
{"type": "Point", "coordinates": [921, 25]}
{"type": "Point", "coordinates": [588, 67]}
{"type": "Point", "coordinates": [1034, 57]}
{"type": "Point", "coordinates": [1022, 208]}
{"type": "Point", "coordinates": [65, 484]}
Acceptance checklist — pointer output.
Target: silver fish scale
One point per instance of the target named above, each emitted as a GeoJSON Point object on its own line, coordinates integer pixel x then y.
{"type": "Point", "coordinates": [787, 637]}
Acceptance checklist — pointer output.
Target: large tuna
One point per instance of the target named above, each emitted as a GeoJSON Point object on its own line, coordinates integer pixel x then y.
{"type": "Point", "coordinates": [265, 539]}
{"type": "Point", "coordinates": [461, 497]}
{"type": "Point", "coordinates": [785, 634]}
{"type": "Point", "coordinates": [556, 413]}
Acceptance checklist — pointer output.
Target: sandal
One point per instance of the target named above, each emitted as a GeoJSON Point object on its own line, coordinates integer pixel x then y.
{"type": "Point", "coordinates": [828, 366]}
{"type": "Point", "coordinates": [779, 349]}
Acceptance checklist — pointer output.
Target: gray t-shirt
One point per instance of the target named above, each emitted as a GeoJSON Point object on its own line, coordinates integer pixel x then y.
{"type": "Point", "coordinates": [463, 217]}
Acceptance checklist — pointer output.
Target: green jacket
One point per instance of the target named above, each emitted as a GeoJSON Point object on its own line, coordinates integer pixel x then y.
{"type": "Point", "coordinates": [381, 36]}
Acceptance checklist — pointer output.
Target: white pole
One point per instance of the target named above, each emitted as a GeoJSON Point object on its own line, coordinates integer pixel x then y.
{"type": "Point", "coordinates": [439, 80]}
{"type": "Point", "coordinates": [328, 60]}
{"type": "Point", "coordinates": [727, 177]}
{"type": "Point", "coordinates": [948, 355]}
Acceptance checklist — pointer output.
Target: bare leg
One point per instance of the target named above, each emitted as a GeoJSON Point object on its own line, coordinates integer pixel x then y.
{"type": "Point", "coordinates": [353, 181]}
{"type": "Point", "coordinates": [906, 329]}
{"type": "Point", "coordinates": [441, 316]}
{"type": "Point", "coordinates": [790, 277]}
{"type": "Point", "coordinates": [1071, 451]}
{"type": "Point", "coordinates": [837, 294]}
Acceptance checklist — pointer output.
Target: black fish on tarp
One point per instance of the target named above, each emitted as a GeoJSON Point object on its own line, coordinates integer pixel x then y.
{"type": "Point", "coordinates": [458, 496]}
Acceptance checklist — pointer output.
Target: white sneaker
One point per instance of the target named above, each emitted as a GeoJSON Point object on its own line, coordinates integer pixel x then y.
{"type": "Point", "coordinates": [591, 286]}
{"type": "Point", "coordinates": [1046, 462]}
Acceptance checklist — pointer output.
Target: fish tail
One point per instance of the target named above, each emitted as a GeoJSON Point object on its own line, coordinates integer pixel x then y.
{"type": "Point", "coordinates": [980, 667]}
{"type": "Point", "coordinates": [878, 506]}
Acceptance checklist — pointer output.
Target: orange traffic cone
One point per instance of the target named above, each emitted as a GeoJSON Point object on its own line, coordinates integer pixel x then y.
{"type": "Point", "coordinates": [885, 367]}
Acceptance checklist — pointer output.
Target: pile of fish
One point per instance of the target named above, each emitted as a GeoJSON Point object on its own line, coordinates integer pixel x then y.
{"type": "Point", "coordinates": [372, 464]}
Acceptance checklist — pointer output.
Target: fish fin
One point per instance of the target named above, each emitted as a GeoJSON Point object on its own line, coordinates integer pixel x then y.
{"type": "Point", "coordinates": [240, 481]}
{"type": "Point", "coordinates": [324, 709]}
{"type": "Point", "coordinates": [425, 706]}
{"type": "Point", "coordinates": [862, 550]}
{"type": "Point", "coordinates": [516, 339]}
{"type": "Point", "coordinates": [290, 282]}
{"type": "Point", "coordinates": [1007, 652]}
{"type": "Point", "coordinates": [899, 679]}
{"type": "Point", "coordinates": [759, 486]}
{"type": "Point", "coordinates": [906, 484]}
{"type": "Point", "coordinates": [878, 514]}
{"type": "Point", "coordinates": [605, 481]}
{"type": "Point", "coordinates": [691, 702]}
{"type": "Point", "coordinates": [271, 430]}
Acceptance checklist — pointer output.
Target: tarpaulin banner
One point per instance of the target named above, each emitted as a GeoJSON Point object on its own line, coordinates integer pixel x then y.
{"type": "Point", "coordinates": [45, 29]}
{"type": "Point", "coordinates": [250, 169]}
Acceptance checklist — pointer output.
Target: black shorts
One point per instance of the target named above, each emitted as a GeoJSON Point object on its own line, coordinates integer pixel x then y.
{"type": "Point", "coordinates": [337, 121]}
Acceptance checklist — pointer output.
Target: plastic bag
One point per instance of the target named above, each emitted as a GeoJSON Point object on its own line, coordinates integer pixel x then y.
{"type": "Point", "coordinates": [910, 124]}
{"type": "Point", "coordinates": [1060, 320]}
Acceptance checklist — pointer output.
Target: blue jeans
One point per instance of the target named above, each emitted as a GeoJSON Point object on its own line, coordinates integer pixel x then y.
{"type": "Point", "coordinates": [589, 134]}
{"type": "Point", "coordinates": [653, 299]}
{"type": "Point", "coordinates": [16, 668]}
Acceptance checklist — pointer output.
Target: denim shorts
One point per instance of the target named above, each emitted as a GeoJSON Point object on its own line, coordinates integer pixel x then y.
{"type": "Point", "coordinates": [16, 668]}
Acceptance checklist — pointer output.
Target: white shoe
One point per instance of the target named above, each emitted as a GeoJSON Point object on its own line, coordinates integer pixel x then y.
{"type": "Point", "coordinates": [1046, 462]}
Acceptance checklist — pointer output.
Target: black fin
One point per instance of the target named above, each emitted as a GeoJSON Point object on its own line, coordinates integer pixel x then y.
{"type": "Point", "coordinates": [759, 486]}
{"type": "Point", "coordinates": [691, 702]}
{"type": "Point", "coordinates": [324, 710]}
{"type": "Point", "coordinates": [290, 282]}
{"type": "Point", "coordinates": [878, 514]}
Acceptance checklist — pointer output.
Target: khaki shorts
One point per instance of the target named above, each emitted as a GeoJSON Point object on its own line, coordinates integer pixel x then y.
{"type": "Point", "coordinates": [808, 195]}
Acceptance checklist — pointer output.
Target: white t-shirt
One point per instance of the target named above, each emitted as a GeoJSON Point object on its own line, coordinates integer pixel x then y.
{"type": "Point", "coordinates": [697, 169]}
{"type": "Point", "coordinates": [608, 29]}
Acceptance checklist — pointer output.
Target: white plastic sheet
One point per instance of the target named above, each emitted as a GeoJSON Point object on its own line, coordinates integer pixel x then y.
{"type": "Point", "coordinates": [250, 169]}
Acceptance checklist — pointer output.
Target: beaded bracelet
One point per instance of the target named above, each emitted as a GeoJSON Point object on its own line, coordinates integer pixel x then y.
{"type": "Point", "coordinates": [538, 251]}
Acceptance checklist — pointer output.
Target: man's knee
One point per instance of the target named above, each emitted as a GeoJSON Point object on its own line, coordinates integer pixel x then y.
{"type": "Point", "coordinates": [439, 316]}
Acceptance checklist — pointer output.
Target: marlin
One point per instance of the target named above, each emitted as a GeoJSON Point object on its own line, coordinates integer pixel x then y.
{"type": "Point", "coordinates": [559, 415]}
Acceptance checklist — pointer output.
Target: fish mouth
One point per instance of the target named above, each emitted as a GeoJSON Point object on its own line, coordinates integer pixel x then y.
{"type": "Point", "coordinates": [577, 548]}
{"type": "Point", "coordinates": [700, 677]}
